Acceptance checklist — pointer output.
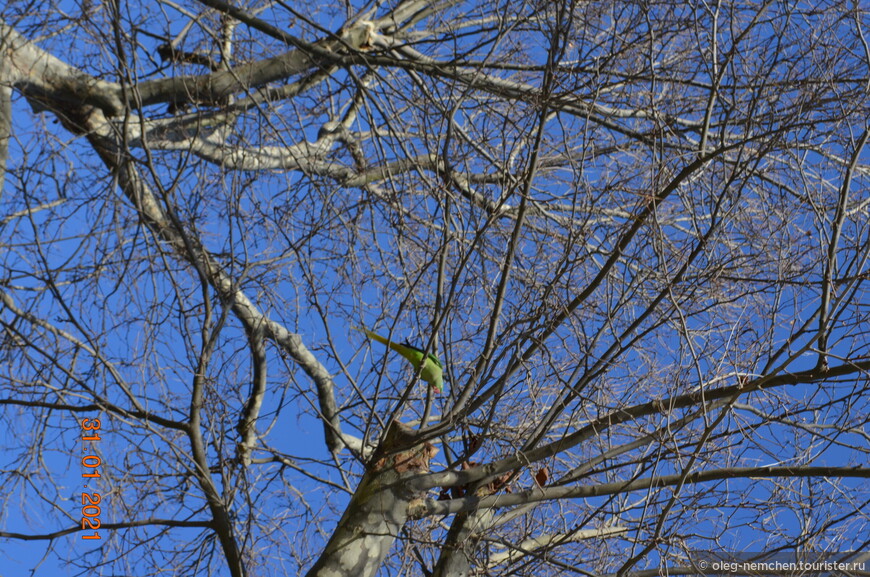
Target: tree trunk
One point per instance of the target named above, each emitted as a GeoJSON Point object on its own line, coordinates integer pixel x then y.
{"type": "Point", "coordinates": [376, 513]}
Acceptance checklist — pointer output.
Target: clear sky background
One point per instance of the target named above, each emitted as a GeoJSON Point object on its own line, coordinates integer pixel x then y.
{"type": "Point", "coordinates": [26, 508]}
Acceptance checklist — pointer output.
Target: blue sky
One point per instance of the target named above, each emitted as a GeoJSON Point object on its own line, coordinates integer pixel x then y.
{"type": "Point", "coordinates": [267, 218]}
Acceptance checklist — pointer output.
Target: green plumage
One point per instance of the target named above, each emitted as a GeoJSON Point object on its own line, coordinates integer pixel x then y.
{"type": "Point", "coordinates": [432, 371]}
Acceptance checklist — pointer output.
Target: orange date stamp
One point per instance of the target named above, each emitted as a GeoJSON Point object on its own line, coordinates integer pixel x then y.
{"type": "Point", "coordinates": [90, 464]}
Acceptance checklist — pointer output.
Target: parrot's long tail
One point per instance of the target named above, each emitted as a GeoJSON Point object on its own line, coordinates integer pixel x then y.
{"type": "Point", "coordinates": [372, 335]}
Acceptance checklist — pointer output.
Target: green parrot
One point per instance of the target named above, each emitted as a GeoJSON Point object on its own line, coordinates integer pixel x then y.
{"type": "Point", "coordinates": [432, 372]}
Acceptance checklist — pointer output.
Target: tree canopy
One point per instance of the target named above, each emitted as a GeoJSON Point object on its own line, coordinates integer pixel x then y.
{"type": "Point", "coordinates": [635, 234]}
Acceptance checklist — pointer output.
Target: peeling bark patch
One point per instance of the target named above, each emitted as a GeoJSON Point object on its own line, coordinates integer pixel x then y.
{"type": "Point", "coordinates": [416, 460]}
